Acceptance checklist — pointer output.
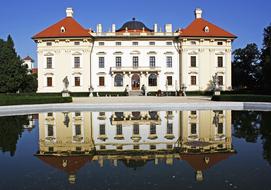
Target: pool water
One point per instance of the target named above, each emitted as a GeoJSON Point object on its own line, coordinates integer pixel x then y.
{"type": "Point", "coordinates": [210, 149]}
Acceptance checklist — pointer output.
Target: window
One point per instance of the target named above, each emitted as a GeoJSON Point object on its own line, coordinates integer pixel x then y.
{"type": "Point", "coordinates": [101, 62]}
{"type": "Point", "coordinates": [49, 43]}
{"type": "Point", "coordinates": [101, 81]}
{"type": "Point", "coordinates": [136, 147]}
{"type": "Point", "coordinates": [118, 43]}
{"type": "Point", "coordinates": [77, 114]}
{"type": "Point", "coordinates": [193, 80]}
{"type": "Point", "coordinates": [135, 43]}
{"type": "Point", "coordinates": [169, 128]}
{"type": "Point", "coordinates": [152, 129]}
{"type": "Point", "coordinates": [219, 43]}
{"type": "Point", "coordinates": [219, 61]}
{"type": "Point", "coordinates": [135, 61]}
{"type": "Point", "coordinates": [206, 29]}
{"type": "Point", "coordinates": [169, 61]}
{"type": "Point", "coordinates": [77, 130]}
{"type": "Point", "coordinates": [152, 61]}
{"type": "Point", "coordinates": [49, 62]}
{"type": "Point", "coordinates": [220, 80]}
{"type": "Point", "coordinates": [220, 128]}
{"type": "Point", "coordinates": [50, 114]}
{"type": "Point", "coordinates": [49, 81]}
{"type": "Point", "coordinates": [102, 129]}
{"type": "Point", "coordinates": [193, 61]}
{"type": "Point", "coordinates": [136, 129]}
{"type": "Point", "coordinates": [76, 81]}
{"type": "Point", "coordinates": [118, 81]}
{"type": "Point", "coordinates": [193, 128]}
{"type": "Point", "coordinates": [151, 43]}
{"type": "Point", "coordinates": [153, 115]}
{"type": "Point", "coordinates": [152, 80]}
{"type": "Point", "coordinates": [193, 112]}
{"type": "Point", "coordinates": [169, 43]}
{"type": "Point", "coordinates": [193, 42]}
{"type": "Point", "coordinates": [119, 129]}
{"type": "Point", "coordinates": [101, 43]}
{"type": "Point", "coordinates": [50, 130]}
{"type": "Point", "coordinates": [169, 80]}
{"type": "Point", "coordinates": [62, 29]}
{"type": "Point", "coordinates": [76, 43]}
{"type": "Point", "coordinates": [76, 62]}
{"type": "Point", "coordinates": [118, 61]}
{"type": "Point", "coordinates": [101, 114]}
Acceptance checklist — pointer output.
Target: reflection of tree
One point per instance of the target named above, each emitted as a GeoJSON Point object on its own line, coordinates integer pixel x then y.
{"type": "Point", "coordinates": [11, 129]}
{"type": "Point", "coordinates": [251, 125]}
{"type": "Point", "coordinates": [266, 135]}
{"type": "Point", "coordinates": [246, 125]}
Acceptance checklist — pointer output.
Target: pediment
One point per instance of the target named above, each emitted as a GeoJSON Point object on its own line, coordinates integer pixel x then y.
{"type": "Point", "coordinates": [49, 54]}
{"type": "Point", "coordinates": [193, 53]}
{"type": "Point", "coordinates": [76, 53]}
{"type": "Point", "coordinates": [169, 53]}
{"type": "Point", "coordinates": [118, 53]}
{"type": "Point", "coordinates": [152, 53]}
{"type": "Point", "coordinates": [101, 53]}
{"type": "Point", "coordinates": [135, 52]}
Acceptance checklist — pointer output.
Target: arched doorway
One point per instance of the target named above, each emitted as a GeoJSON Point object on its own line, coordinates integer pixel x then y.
{"type": "Point", "coordinates": [135, 82]}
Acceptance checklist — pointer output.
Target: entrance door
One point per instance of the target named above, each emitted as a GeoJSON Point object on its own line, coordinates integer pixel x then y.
{"type": "Point", "coordinates": [135, 82]}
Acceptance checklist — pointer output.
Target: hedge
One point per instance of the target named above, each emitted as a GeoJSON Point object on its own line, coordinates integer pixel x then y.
{"type": "Point", "coordinates": [26, 99]}
{"type": "Point", "coordinates": [243, 98]}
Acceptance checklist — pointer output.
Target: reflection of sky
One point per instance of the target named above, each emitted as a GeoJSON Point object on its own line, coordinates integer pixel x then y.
{"type": "Point", "coordinates": [245, 170]}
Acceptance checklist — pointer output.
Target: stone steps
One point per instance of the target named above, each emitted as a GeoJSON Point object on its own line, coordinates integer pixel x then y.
{"type": "Point", "coordinates": [135, 93]}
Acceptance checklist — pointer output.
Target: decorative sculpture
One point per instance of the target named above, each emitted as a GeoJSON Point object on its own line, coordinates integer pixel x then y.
{"type": "Point", "coordinates": [65, 92]}
{"type": "Point", "coordinates": [66, 83]}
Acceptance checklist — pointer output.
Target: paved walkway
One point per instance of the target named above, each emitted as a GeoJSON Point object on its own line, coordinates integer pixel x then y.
{"type": "Point", "coordinates": [141, 99]}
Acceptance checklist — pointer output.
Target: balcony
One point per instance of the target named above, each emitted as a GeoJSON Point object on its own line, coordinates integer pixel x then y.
{"type": "Point", "coordinates": [128, 69]}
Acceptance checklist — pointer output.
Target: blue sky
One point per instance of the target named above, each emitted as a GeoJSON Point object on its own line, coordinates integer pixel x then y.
{"type": "Point", "coordinates": [24, 18]}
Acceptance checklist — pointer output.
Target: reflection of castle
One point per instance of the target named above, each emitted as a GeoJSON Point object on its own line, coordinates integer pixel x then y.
{"type": "Point", "coordinates": [32, 122]}
{"type": "Point", "coordinates": [69, 140]}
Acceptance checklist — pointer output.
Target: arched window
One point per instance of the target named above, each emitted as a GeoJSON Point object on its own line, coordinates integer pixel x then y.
{"type": "Point", "coordinates": [118, 80]}
{"type": "Point", "coordinates": [153, 80]}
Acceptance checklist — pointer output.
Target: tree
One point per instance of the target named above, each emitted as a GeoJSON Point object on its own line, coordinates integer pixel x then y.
{"type": "Point", "coordinates": [14, 75]}
{"type": "Point", "coordinates": [246, 68]}
{"type": "Point", "coordinates": [266, 57]}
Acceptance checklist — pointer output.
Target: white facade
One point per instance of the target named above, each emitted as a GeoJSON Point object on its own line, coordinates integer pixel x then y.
{"type": "Point", "coordinates": [109, 61]}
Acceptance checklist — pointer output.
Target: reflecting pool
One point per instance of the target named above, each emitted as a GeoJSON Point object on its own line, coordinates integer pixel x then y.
{"type": "Point", "coordinates": [210, 149]}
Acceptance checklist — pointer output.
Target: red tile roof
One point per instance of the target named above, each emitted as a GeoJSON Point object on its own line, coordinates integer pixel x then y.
{"type": "Point", "coordinates": [197, 161]}
{"type": "Point", "coordinates": [196, 29]}
{"type": "Point", "coordinates": [72, 29]}
{"type": "Point", "coordinates": [69, 164]}
{"type": "Point", "coordinates": [28, 58]}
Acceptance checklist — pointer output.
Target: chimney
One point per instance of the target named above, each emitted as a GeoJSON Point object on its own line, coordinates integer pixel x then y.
{"type": "Point", "coordinates": [198, 13]}
{"type": "Point", "coordinates": [69, 12]}
{"type": "Point", "coordinates": [99, 28]}
{"type": "Point", "coordinates": [113, 28]}
{"type": "Point", "coordinates": [155, 28]}
{"type": "Point", "coordinates": [168, 28]}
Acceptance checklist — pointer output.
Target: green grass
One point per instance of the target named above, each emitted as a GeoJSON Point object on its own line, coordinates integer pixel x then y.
{"type": "Point", "coordinates": [243, 98]}
{"type": "Point", "coordinates": [21, 99]}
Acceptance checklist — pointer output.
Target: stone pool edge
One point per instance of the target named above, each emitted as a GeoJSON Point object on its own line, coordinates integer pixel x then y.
{"type": "Point", "coordinates": [70, 107]}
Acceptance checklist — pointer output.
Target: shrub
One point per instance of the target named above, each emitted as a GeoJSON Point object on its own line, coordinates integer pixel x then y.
{"type": "Point", "coordinates": [38, 99]}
